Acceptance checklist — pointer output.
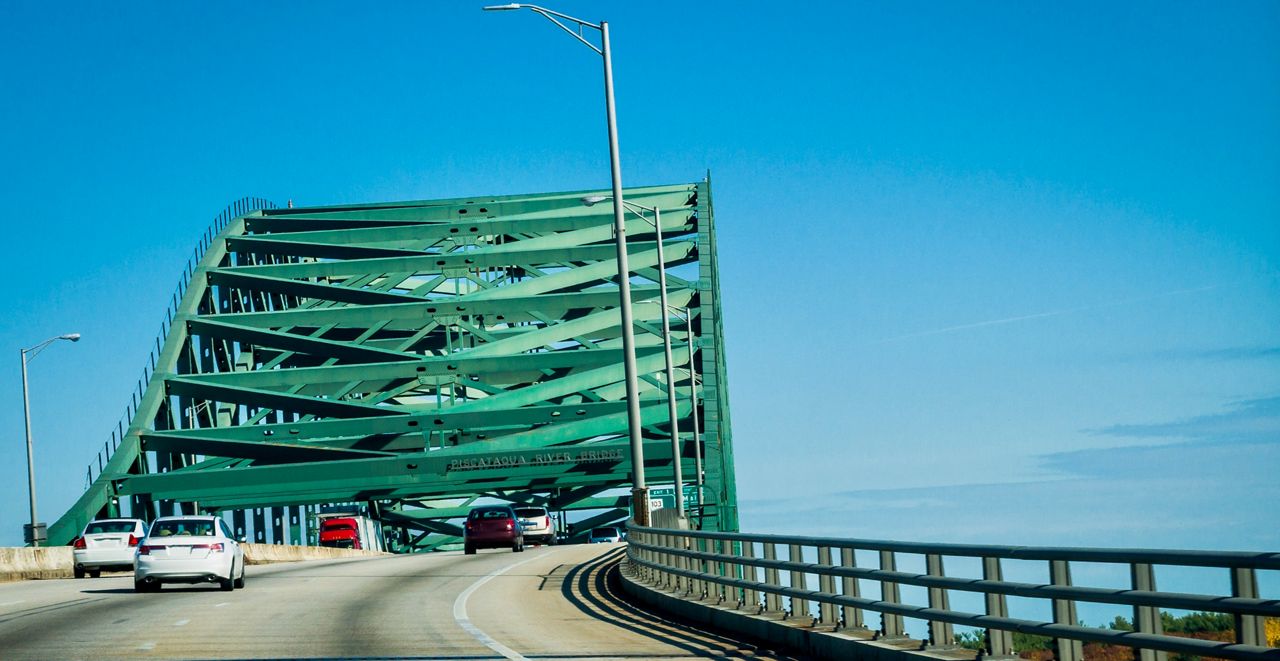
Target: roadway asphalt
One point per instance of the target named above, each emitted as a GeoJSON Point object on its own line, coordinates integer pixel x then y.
{"type": "Point", "coordinates": [546, 603]}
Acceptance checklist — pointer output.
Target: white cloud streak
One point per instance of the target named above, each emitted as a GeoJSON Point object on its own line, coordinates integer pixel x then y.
{"type": "Point", "coordinates": [1043, 315]}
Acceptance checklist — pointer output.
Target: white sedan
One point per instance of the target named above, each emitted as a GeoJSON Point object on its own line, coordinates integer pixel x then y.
{"type": "Point", "coordinates": [188, 549]}
{"type": "Point", "coordinates": [106, 544]}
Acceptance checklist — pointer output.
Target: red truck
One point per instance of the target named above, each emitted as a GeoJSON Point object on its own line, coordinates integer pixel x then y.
{"type": "Point", "coordinates": [349, 532]}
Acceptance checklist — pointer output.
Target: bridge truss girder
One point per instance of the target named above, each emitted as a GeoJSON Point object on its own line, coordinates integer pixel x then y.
{"type": "Point", "coordinates": [418, 356]}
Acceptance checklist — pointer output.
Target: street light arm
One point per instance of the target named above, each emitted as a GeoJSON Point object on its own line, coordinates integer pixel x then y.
{"type": "Point", "coordinates": [553, 16]}
{"type": "Point", "coordinates": [30, 353]}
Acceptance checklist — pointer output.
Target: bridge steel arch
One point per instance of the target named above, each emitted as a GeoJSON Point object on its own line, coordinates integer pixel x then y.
{"type": "Point", "coordinates": [415, 357]}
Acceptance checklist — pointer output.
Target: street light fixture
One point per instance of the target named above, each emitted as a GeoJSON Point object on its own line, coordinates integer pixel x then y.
{"type": "Point", "coordinates": [672, 417]}
{"type": "Point", "coordinates": [34, 533]}
{"type": "Point", "coordinates": [639, 492]}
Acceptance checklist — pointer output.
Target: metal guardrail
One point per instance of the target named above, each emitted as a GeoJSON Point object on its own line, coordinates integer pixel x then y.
{"type": "Point", "coordinates": [728, 567]}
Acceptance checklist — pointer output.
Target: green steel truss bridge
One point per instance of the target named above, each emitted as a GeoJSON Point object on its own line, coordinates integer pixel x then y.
{"type": "Point", "coordinates": [413, 358]}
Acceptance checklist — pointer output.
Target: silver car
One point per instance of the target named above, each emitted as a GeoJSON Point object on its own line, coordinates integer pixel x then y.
{"type": "Point", "coordinates": [537, 525]}
{"type": "Point", "coordinates": [188, 549]}
{"type": "Point", "coordinates": [106, 544]}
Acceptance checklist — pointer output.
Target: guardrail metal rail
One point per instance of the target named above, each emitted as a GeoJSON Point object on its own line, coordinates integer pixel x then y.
{"type": "Point", "coordinates": [728, 567]}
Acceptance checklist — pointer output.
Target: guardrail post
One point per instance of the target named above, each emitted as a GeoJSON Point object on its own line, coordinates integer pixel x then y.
{"type": "Point", "coordinates": [685, 563]}
{"type": "Point", "coordinates": [724, 567]}
{"type": "Point", "coordinates": [999, 641]}
{"type": "Point", "coordinates": [663, 579]}
{"type": "Point", "coordinates": [941, 634]}
{"type": "Point", "coordinates": [772, 601]}
{"type": "Point", "coordinates": [1064, 612]}
{"type": "Point", "coordinates": [799, 581]}
{"type": "Point", "coordinates": [750, 573]}
{"type": "Point", "coordinates": [1146, 619]}
{"type": "Point", "coordinates": [826, 585]}
{"type": "Point", "coordinates": [891, 625]}
{"type": "Point", "coordinates": [700, 585]}
{"type": "Point", "coordinates": [850, 617]}
{"type": "Point", "coordinates": [1250, 629]}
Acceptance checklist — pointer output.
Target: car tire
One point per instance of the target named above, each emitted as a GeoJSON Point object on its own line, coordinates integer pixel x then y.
{"type": "Point", "coordinates": [551, 541]}
{"type": "Point", "coordinates": [469, 549]}
{"type": "Point", "coordinates": [239, 582]}
{"type": "Point", "coordinates": [95, 573]}
{"type": "Point", "coordinates": [145, 586]}
{"type": "Point", "coordinates": [78, 571]}
{"type": "Point", "coordinates": [227, 584]}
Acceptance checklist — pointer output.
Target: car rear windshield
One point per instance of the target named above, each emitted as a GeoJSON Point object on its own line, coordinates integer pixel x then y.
{"type": "Point", "coordinates": [491, 514]}
{"type": "Point", "coordinates": [606, 532]}
{"type": "Point", "coordinates": [530, 512]}
{"type": "Point", "coordinates": [194, 527]}
{"type": "Point", "coordinates": [99, 527]}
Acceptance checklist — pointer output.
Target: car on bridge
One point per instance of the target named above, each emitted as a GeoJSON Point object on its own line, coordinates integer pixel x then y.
{"type": "Point", "coordinates": [188, 549]}
{"type": "Point", "coordinates": [604, 535]}
{"type": "Point", "coordinates": [537, 524]}
{"type": "Point", "coordinates": [106, 544]}
{"type": "Point", "coordinates": [490, 527]}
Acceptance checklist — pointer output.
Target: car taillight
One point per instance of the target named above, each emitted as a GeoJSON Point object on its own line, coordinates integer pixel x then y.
{"type": "Point", "coordinates": [510, 524]}
{"type": "Point", "coordinates": [79, 543]}
{"type": "Point", "coordinates": [146, 549]}
{"type": "Point", "coordinates": [212, 547]}
{"type": "Point", "coordinates": [133, 540]}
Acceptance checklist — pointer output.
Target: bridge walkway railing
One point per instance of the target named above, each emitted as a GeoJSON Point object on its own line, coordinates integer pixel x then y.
{"type": "Point", "coordinates": [769, 574]}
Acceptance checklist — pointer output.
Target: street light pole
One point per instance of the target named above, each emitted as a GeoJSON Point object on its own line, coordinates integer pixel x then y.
{"type": "Point", "coordinates": [672, 416]}
{"type": "Point", "coordinates": [639, 492]}
{"type": "Point", "coordinates": [35, 531]}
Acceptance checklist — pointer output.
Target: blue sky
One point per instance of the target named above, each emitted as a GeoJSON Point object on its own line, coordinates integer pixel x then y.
{"type": "Point", "coordinates": [992, 271]}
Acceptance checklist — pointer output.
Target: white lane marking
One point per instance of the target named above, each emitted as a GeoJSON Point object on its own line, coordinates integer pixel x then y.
{"type": "Point", "coordinates": [225, 603]}
{"type": "Point", "coordinates": [12, 603]}
{"type": "Point", "coordinates": [181, 623]}
{"type": "Point", "coordinates": [460, 614]}
{"type": "Point", "coordinates": [148, 646]}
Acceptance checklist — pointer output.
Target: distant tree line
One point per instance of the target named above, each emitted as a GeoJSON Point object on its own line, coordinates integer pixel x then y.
{"type": "Point", "coordinates": [1205, 626]}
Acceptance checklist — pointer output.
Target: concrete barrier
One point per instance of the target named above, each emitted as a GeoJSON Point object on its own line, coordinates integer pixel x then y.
{"type": "Point", "coordinates": [24, 563]}
{"type": "Point", "coordinates": [261, 554]}
{"type": "Point", "coordinates": [20, 563]}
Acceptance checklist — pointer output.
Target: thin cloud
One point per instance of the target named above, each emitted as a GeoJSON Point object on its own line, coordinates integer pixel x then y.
{"type": "Point", "coordinates": [1044, 315]}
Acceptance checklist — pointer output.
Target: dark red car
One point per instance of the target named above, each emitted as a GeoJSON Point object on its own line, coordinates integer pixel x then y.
{"type": "Point", "coordinates": [493, 527]}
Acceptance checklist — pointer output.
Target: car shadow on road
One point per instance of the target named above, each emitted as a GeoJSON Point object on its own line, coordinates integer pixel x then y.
{"type": "Point", "coordinates": [594, 588]}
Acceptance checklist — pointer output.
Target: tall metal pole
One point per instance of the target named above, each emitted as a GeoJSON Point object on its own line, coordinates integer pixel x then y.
{"type": "Point", "coordinates": [31, 465]}
{"type": "Point", "coordinates": [671, 378]}
{"type": "Point", "coordinates": [693, 395]}
{"type": "Point", "coordinates": [639, 492]}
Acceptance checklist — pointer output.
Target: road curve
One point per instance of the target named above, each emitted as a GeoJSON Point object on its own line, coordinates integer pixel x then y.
{"type": "Point", "coordinates": [546, 603]}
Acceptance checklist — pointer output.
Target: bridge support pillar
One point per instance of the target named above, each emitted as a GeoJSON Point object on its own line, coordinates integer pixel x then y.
{"type": "Point", "coordinates": [772, 601]}
{"type": "Point", "coordinates": [1146, 619]}
{"type": "Point", "coordinates": [941, 634]}
{"type": "Point", "coordinates": [850, 617]}
{"type": "Point", "coordinates": [750, 598]}
{"type": "Point", "coordinates": [1250, 629]}
{"type": "Point", "coordinates": [827, 585]}
{"type": "Point", "coordinates": [999, 641]}
{"type": "Point", "coordinates": [799, 581]}
{"type": "Point", "coordinates": [1064, 612]}
{"type": "Point", "coordinates": [891, 625]}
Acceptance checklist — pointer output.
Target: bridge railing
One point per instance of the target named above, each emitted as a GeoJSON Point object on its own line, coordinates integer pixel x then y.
{"type": "Point", "coordinates": [235, 209]}
{"type": "Point", "coordinates": [760, 572]}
